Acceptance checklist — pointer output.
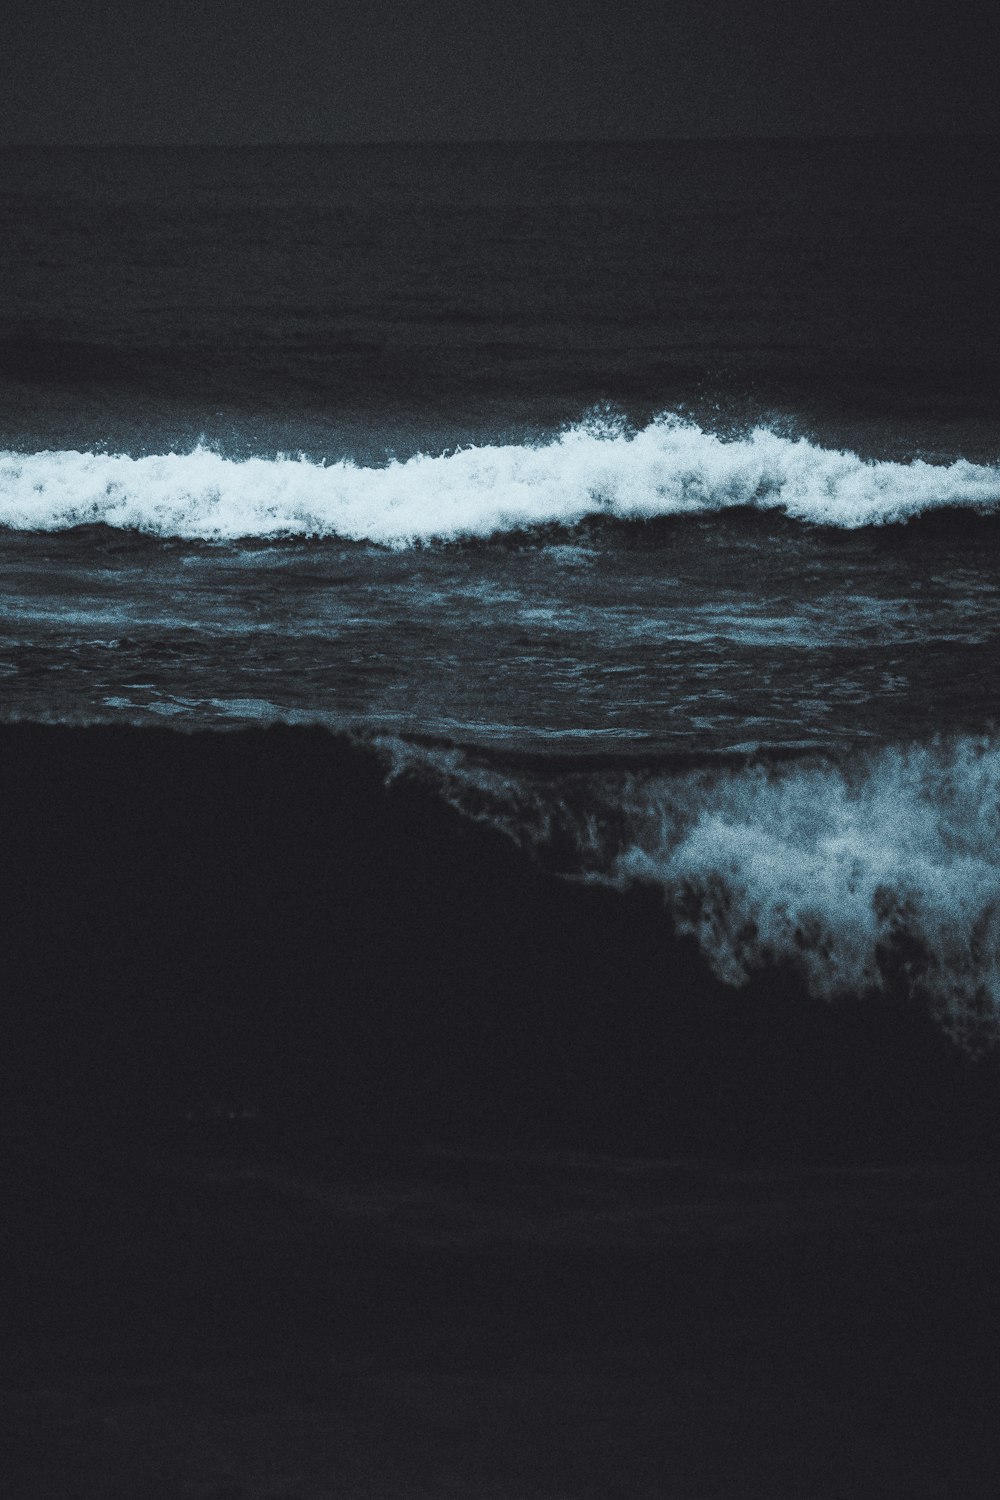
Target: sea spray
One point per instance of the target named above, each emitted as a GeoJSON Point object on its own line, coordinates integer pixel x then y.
{"type": "Point", "coordinates": [878, 872]}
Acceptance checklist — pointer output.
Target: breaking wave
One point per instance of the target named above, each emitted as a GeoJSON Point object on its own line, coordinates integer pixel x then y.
{"type": "Point", "coordinates": [671, 467]}
{"type": "Point", "coordinates": [878, 874]}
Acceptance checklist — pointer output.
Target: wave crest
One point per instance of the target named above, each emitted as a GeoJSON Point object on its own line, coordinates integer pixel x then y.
{"type": "Point", "coordinates": [882, 873]}
{"type": "Point", "coordinates": [670, 467]}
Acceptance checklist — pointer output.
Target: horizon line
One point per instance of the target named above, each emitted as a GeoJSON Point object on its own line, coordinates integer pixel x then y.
{"type": "Point", "coordinates": [312, 144]}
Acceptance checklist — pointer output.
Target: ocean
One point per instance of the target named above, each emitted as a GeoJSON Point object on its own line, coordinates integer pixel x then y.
{"type": "Point", "coordinates": [499, 654]}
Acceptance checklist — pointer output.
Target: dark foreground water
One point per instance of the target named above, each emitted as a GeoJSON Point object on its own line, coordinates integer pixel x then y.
{"type": "Point", "coordinates": [498, 654]}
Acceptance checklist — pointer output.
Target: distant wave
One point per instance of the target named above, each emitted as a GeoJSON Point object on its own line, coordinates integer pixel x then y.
{"type": "Point", "coordinates": [670, 467]}
{"type": "Point", "coordinates": [880, 873]}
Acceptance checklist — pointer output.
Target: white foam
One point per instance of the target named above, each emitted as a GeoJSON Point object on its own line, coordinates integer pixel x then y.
{"type": "Point", "coordinates": [669, 468]}
{"type": "Point", "coordinates": [884, 873]}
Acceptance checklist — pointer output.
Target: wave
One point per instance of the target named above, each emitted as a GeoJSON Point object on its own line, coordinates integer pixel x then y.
{"type": "Point", "coordinates": [669, 468]}
{"type": "Point", "coordinates": [881, 873]}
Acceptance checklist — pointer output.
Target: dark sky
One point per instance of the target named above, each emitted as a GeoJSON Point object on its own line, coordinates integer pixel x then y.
{"type": "Point", "coordinates": [234, 71]}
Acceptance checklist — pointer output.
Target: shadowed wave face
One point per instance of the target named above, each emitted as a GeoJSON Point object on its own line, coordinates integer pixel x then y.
{"type": "Point", "coordinates": [279, 921]}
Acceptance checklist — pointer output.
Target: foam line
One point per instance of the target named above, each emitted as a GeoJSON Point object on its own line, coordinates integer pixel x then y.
{"type": "Point", "coordinates": [668, 468]}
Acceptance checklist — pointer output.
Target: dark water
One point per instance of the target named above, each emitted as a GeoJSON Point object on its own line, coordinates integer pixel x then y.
{"type": "Point", "coordinates": [547, 1046]}
{"type": "Point", "coordinates": [372, 299]}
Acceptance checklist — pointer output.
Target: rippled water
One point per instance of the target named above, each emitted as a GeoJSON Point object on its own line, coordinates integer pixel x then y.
{"type": "Point", "coordinates": [649, 636]}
